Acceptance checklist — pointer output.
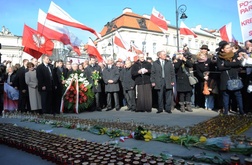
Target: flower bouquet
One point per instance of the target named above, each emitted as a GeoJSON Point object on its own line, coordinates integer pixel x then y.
{"type": "Point", "coordinates": [99, 130]}
{"type": "Point", "coordinates": [96, 77]}
{"type": "Point", "coordinates": [78, 95]}
{"type": "Point", "coordinates": [142, 134]}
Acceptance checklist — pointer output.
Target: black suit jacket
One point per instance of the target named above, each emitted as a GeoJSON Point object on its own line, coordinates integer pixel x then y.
{"type": "Point", "coordinates": [19, 81]}
{"type": "Point", "coordinates": [44, 78]}
{"type": "Point", "coordinates": [88, 73]}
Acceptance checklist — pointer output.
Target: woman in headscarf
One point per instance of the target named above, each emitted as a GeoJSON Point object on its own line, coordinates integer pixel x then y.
{"type": "Point", "coordinates": [228, 64]}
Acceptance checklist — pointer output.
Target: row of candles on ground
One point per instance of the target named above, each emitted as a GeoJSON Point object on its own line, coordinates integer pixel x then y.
{"type": "Point", "coordinates": [69, 151]}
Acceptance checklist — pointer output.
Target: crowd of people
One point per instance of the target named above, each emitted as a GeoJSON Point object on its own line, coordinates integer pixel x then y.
{"type": "Point", "coordinates": [140, 85]}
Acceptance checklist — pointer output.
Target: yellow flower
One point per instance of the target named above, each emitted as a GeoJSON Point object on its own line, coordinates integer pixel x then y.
{"type": "Point", "coordinates": [174, 137]}
{"type": "Point", "coordinates": [202, 139]}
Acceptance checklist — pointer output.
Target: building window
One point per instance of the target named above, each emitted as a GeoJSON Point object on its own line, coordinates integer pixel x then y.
{"type": "Point", "coordinates": [167, 39]}
{"type": "Point", "coordinates": [189, 43]}
{"type": "Point", "coordinates": [132, 43]}
{"type": "Point", "coordinates": [181, 42]}
{"type": "Point", "coordinates": [144, 46]}
{"type": "Point", "coordinates": [142, 23]}
{"type": "Point", "coordinates": [154, 48]}
{"type": "Point", "coordinates": [174, 40]}
{"type": "Point", "coordinates": [196, 44]}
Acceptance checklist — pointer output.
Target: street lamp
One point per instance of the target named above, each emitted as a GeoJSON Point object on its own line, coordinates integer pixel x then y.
{"type": "Point", "coordinates": [179, 10]}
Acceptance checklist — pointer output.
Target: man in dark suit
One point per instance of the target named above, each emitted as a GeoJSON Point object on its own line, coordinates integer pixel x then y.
{"type": "Point", "coordinates": [110, 77]}
{"type": "Point", "coordinates": [162, 79]}
{"type": "Point", "coordinates": [19, 83]}
{"type": "Point", "coordinates": [128, 85]}
{"type": "Point", "coordinates": [93, 66]}
{"type": "Point", "coordinates": [45, 84]}
{"type": "Point", "coordinates": [59, 77]}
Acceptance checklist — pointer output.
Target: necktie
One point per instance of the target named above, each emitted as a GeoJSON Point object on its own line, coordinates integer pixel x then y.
{"type": "Point", "coordinates": [162, 65]}
{"type": "Point", "coordinates": [50, 72]}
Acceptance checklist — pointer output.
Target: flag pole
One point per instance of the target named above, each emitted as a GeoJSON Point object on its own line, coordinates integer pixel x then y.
{"type": "Point", "coordinates": [91, 40]}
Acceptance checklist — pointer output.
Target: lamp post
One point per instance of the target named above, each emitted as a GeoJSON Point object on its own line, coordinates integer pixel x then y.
{"type": "Point", "coordinates": [179, 10]}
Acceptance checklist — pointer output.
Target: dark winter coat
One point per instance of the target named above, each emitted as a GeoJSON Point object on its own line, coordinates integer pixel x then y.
{"type": "Point", "coordinates": [141, 79]}
{"type": "Point", "coordinates": [182, 80]}
{"type": "Point", "coordinates": [126, 78]}
{"type": "Point", "coordinates": [20, 79]}
{"type": "Point", "coordinates": [44, 78]}
{"type": "Point", "coordinates": [202, 67]}
{"type": "Point", "coordinates": [156, 74]}
{"type": "Point", "coordinates": [111, 74]}
{"type": "Point", "coordinates": [88, 73]}
{"type": "Point", "coordinates": [225, 66]}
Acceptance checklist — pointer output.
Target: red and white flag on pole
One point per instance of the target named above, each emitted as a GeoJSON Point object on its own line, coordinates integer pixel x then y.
{"type": "Point", "coordinates": [226, 32]}
{"type": "Point", "coordinates": [56, 14]}
{"type": "Point", "coordinates": [184, 30]}
{"type": "Point", "coordinates": [52, 29]}
{"type": "Point", "coordinates": [34, 40]}
{"type": "Point", "coordinates": [135, 48]}
{"type": "Point", "coordinates": [120, 42]}
{"type": "Point", "coordinates": [91, 50]}
{"type": "Point", "coordinates": [56, 31]}
{"type": "Point", "coordinates": [158, 19]}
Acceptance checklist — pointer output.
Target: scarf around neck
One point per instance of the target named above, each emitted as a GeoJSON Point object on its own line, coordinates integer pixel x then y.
{"type": "Point", "coordinates": [227, 56]}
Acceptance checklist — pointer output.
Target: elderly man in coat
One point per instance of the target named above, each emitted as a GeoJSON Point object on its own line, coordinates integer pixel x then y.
{"type": "Point", "coordinates": [110, 77]}
{"type": "Point", "coordinates": [162, 79]}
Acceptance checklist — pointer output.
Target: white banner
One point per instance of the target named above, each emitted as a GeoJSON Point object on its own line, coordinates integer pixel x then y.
{"type": "Point", "coordinates": [245, 15]}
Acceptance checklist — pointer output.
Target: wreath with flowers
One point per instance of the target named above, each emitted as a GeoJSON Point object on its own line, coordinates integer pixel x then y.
{"type": "Point", "coordinates": [78, 95]}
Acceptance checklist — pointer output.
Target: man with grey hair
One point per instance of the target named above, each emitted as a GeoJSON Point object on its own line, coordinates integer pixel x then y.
{"type": "Point", "coordinates": [141, 71]}
{"type": "Point", "coordinates": [110, 77]}
{"type": "Point", "coordinates": [162, 79]}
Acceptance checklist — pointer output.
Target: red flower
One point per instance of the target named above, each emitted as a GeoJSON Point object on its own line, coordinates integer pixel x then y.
{"type": "Point", "coordinates": [85, 98]}
{"type": "Point", "coordinates": [85, 89]}
{"type": "Point", "coordinates": [82, 86]}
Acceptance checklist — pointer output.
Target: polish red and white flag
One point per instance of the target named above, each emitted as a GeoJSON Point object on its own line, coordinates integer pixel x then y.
{"type": "Point", "coordinates": [37, 41]}
{"type": "Point", "coordinates": [135, 49]}
{"type": "Point", "coordinates": [158, 19]}
{"type": "Point", "coordinates": [56, 14]}
{"type": "Point", "coordinates": [56, 31]}
{"type": "Point", "coordinates": [184, 30]}
{"type": "Point", "coordinates": [226, 32]}
{"type": "Point", "coordinates": [118, 40]}
{"type": "Point", "coordinates": [52, 29]}
{"type": "Point", "coordinates": [92, 50]}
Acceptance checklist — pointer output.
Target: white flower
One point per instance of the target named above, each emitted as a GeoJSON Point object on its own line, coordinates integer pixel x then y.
{"type": "Point", "coordinates": [85, 82]}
